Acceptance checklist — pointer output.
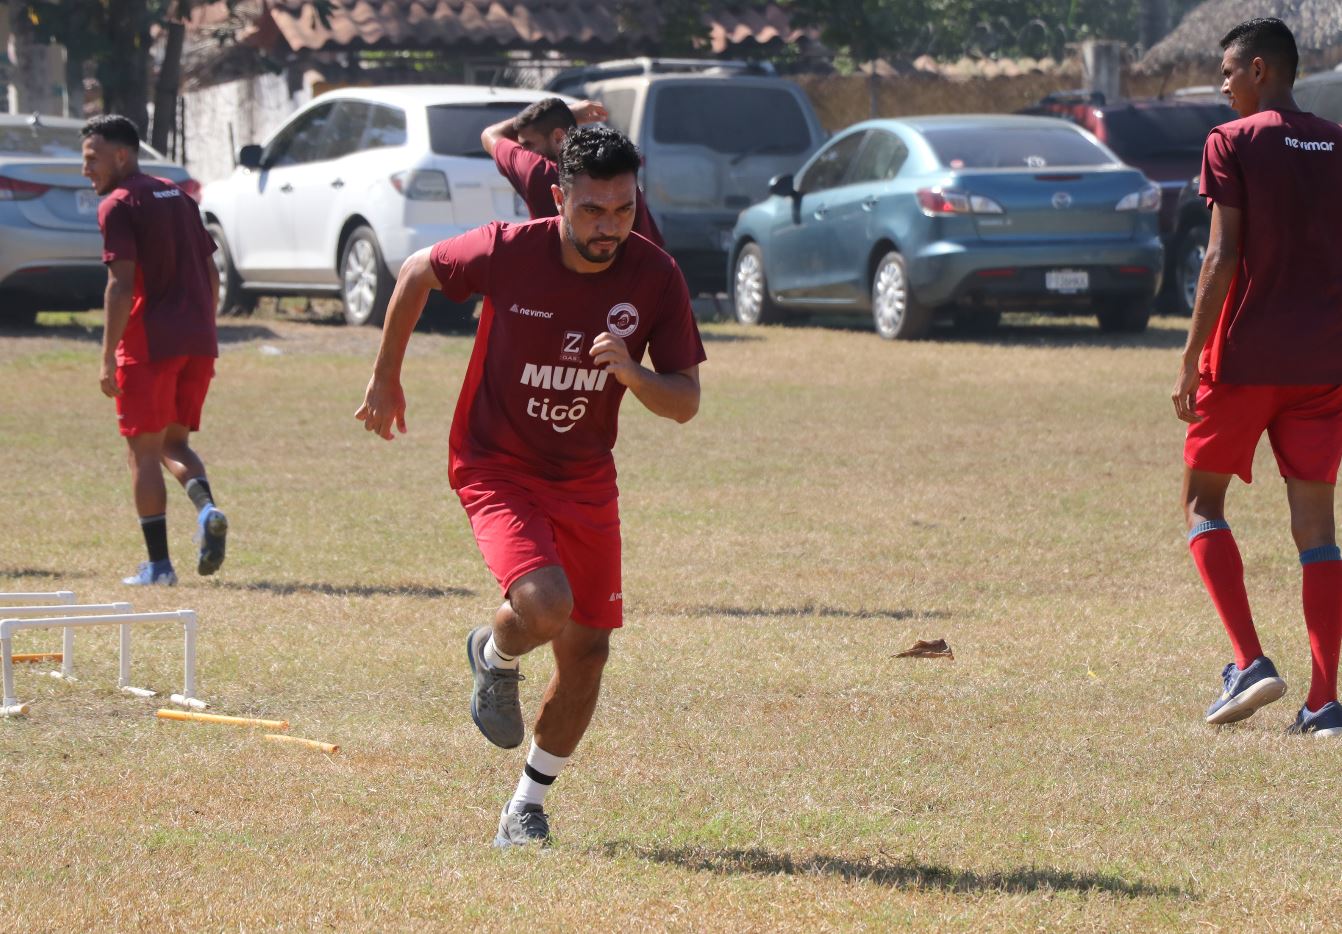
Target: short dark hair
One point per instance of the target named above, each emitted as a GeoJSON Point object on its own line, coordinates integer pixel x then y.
{"type": "Point", "coordinates": [597, 152]}
{"type": "Point", "coordinates": [114, 128]}
{"type": "Point", "coordinates": [546, 116]}
{"type": "Point", "coordinates": [1267, 38]}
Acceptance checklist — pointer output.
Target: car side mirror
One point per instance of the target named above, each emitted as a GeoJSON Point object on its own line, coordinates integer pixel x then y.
{"type": "Point", "coordinates": [781, 185]}
{"type": "Point", "coordinates": [249, 157]}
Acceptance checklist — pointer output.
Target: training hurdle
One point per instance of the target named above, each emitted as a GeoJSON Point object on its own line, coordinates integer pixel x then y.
{"type": "Point", "coordinates": [67, 653]}
{"type": "Point", "coordinates": [60, 600]}
{"type": "Point", "coordinates": [13, 623]}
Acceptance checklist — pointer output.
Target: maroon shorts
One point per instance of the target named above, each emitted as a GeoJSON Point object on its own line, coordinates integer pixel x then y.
{"type": "Point", "coordinates": [521, 528]}
{"type": "Point", "coordinates": [162, 393]}
{"type": "Point", "coordinates": [1303, 424]}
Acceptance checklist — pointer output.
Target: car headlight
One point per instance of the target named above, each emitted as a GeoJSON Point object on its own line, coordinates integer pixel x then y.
{"type": "Point", "coordinates": [1146, 201]}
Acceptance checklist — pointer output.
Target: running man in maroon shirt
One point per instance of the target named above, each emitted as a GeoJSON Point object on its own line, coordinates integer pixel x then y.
{"type": "Point", "coordinates": [526, 150]}
{"type": "Point", "coordinates": [159, 339]}
{"type": "Point", "coordinates": [572, 303]}
{"type": "Point", "coordinates": [1264, 353]}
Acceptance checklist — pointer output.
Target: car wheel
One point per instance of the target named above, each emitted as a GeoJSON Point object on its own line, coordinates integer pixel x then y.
{"type": "Point", "coordinates": [232, 300]}
{"type": "Point", "coordinates": [1188, 257]}
{"type": "Point", "coordinates": [898, 317]}
{"type": "Point", "coordinates": [365, 283]}
{"type": "Point", "coordinates": [1124, 316]}
{"type": "Point", "coordinates": [750, 294]}
{"type": "Point", "coordinates": [976, 320]}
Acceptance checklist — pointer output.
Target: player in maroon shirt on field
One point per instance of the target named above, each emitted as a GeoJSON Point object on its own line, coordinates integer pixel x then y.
{"type": "Point", "coordinates": [159, 340]}
{"type": "Point", "coordinates": [1264, 353]}
{"type": "Point", "coordinates": [572, 303]}
{"type": "Point", "coordinates": [526, 150]}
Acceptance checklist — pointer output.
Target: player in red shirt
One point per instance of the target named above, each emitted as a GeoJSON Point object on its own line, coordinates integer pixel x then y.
{"type": "Point", "coordinates": [526, 150]}
{"type": "Point", "coordinates": [1264, 353]}
{"type": "Point", "coordinates": [571, 305]}
{"type": "Point", "coordinates": [159, 340]}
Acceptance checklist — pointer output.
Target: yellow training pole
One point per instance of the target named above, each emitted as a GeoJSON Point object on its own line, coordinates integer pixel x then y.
{"type": "Point", "coordinates": [307, 743]}
{"type": "Point", "coordinates": [165, 714]}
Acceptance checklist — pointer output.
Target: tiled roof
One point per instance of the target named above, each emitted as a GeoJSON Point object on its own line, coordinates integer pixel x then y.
{"type": "Point", "coordinates": [515, 24]}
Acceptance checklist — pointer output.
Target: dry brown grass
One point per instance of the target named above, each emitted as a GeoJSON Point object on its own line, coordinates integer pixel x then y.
{"type": "Point", "coordinates": [759, 761]}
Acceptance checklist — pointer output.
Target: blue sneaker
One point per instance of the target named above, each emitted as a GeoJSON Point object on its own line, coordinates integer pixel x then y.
{"type": "Point", "coordinates": [211, 533]}
{"type": "Point", "coordinates": [153, 574]}
{"type": "Point", "coordinates": [1326, 721]}
{"type": "Point", "coordinates": [1246, 691]}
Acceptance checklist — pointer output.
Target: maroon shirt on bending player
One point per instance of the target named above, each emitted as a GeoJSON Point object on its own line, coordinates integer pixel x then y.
{"type": "Point", "coordinates": [532, 176]}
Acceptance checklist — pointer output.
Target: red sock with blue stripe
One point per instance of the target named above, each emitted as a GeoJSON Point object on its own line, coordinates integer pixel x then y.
{"type": "Point", "coordinates": [1322, 596]}
{"type": "Point", "coordinates": [1218, 561]}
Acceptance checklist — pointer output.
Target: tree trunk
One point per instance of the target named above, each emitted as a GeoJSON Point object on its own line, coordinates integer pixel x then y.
{"type": "Point", "coordinates": [125, 75]}
{"type": "Point", "coordinates": [874, 91]}
{"type": "Point", "coordinates": [165, 92]}
{"type": "Point", "coordinates": [1154, 24]}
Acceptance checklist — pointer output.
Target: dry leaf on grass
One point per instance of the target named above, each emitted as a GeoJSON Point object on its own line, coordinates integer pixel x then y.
{"type": "Point", "coordinates": [928, 648]}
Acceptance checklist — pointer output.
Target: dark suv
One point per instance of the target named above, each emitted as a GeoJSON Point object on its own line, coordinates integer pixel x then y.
{"type": "Point", "coordinates": [1164, 138]}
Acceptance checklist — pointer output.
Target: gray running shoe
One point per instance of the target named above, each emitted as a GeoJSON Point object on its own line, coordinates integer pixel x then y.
{"type": "Point", "coordinates": [495, 707]}
{"type": "Point", "coordinates": [523, 828]}
{"type": "Point", "coordinates": [212, 534]}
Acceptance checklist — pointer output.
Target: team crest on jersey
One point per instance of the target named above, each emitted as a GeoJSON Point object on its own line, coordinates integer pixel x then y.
{"type": "Point", "coordinates": [622, 320]}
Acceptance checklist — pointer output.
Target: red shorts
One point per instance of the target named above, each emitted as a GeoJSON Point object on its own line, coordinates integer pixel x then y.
{"type": "Point", "coordinates": [1303, 424]}
{"type": "Point", "coordinates": [521, 528]}
{"type": "Point", "coordinates": [162, 393]}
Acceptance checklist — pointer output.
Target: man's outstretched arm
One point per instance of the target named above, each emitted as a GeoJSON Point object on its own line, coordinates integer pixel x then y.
{"type": "Point", "coordinates": [384, 401]}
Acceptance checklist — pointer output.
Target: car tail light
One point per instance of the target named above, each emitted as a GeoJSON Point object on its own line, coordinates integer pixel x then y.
{"type": "Point", "coordinates": [937, 202]}
{"type": "Point", "coordinates": [192, 188]}
{"type": "Point", "coordinates": [422, 185]}
{"type": "Point", "coordinates": [13, 189]}
{"type": "Point", "coordinates": [996, 273]}
{"type": "Point", "coordinates": [1146, 201]}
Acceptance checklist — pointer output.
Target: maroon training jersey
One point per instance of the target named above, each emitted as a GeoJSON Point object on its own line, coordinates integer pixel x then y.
{"type": "Point", "coordinates": [531, 176]}
{"type": "Point", "coordinates": [533, 401]}
{"type": "Point", "coordinates": [154, 223]}
{"type": "Point", "coordinates": [1282, 320]}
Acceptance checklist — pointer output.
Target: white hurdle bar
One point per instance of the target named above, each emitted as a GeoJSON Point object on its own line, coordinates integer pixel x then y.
{"type": "Point", "coordinates": [67, 671]}
{"type": "Point", "coordinates": [10, 625]}
{"type": "Point", "coordinates": [55, 596]}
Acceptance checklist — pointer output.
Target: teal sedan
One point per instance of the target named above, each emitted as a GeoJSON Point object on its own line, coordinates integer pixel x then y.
{"type": "Point", "coordinates": [962, 216]}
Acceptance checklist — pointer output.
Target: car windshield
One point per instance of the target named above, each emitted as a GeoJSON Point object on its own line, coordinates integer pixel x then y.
{"type": "Point", "coordinates": [999, 147]}
{"type": "Point", "coordinates": [1137, 133]}
{"type": "Point", "coordinates": [454, 129]}
{"type": "Point", "coordinates": [740, 120]}
{"type": "Point", "coordinates": [50, 142]}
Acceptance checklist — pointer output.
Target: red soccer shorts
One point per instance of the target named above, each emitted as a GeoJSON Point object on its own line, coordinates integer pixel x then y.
{"type": "Point", "coordinates": [162, 393]}
{"type": "Point", "coordinates": [520, 527]}
{"type": "Point", "coordinates": [1303, 424]}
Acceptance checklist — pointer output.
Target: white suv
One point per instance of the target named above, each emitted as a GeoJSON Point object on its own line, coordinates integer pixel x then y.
{"type": "Point", "coordinates": [351, 185]}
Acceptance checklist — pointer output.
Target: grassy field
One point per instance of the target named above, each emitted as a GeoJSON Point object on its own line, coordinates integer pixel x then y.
{"type": "Point", "coordinates": [759, 760]}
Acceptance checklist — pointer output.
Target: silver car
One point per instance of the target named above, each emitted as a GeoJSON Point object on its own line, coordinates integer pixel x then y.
{"type": "Point", "coordinates": [50, 248]}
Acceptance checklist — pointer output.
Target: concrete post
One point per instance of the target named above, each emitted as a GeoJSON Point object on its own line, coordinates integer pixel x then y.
{"type": "Point", "coordinates": [1102, 66]}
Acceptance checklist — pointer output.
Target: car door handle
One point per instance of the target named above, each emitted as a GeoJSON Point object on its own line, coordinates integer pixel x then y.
{"type": "Point", "coordinates": [338, 183]}
{"type": "Point", "coordinates": [821, 212]}
{"type": "Point", "coordinates": [869, 203]}
{"type": "Point", "coordinates": [286, 188]}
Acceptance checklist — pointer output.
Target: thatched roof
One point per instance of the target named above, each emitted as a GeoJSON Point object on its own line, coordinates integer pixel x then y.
{"type": "Point", "coordinates": [1317, 25]}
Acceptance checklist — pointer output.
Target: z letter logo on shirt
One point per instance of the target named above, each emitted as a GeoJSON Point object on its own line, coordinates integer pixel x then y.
{"type": "Point", "coordinates": [622, 320]}
{"type": "Point", "coordinates": [570, 348]}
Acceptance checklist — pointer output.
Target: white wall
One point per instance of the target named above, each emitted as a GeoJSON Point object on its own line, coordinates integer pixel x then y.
{"type": "Point", "coordinates": [253, 107]}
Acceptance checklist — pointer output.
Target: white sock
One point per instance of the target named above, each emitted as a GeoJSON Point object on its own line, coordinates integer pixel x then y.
{"type": "Point", "coordinates": [496, 659]}
{"type": "Point", "coordinates": [539, 774]}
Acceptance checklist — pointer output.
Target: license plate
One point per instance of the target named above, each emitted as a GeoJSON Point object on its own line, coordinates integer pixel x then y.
{"type": "Point", "coordinates": [1067, 280]}
{"type": "Point", "coordinates": [86, 201]}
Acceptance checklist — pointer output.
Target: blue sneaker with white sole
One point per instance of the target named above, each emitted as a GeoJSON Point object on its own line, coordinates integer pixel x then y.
{"type": "Point", "coordinates": [1326, 721]}
{"type": "Point", "coordinates": [153, 574]}
{"type": "Point", "coordinates": [212, 534]}
{"type": "Point", "coordinates": [1246, 691]}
